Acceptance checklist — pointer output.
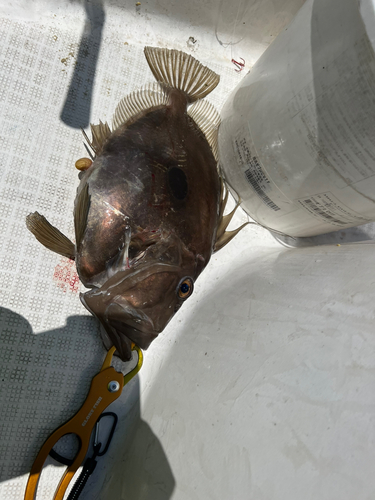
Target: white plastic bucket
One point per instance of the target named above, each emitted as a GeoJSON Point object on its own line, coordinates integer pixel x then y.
{"type": "Point", "coordinates": [297, 140]}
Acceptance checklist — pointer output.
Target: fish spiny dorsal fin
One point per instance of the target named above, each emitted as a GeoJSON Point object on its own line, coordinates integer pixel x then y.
{"type": "Point", "coordinates": [181, 71]}
{"type": "Point", "coordinates": [223, 199]}
{"type": "Point", "coordinates": [81, 211]}
{"type": "Point", "coordinates": [227, 237]}
{"type": "Point", "coordinates": [50, 236]}
{"type": "Point", "coordinates": [225, 221]}
{"type": "Point", "coordinates": [100, 134]}
{"type": "Point", "coordinates": [222, 236]}
{"type": "Point", "coordinates": [208, 120]}
{"type": "Point", "coordinates": [151, 96]}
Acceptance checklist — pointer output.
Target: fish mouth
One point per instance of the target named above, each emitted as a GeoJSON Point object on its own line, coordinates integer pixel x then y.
{"type": "Point", "coordinates": [131, 277]}
{"type": "Point", "coordinates": [142, 337]}
{"type": "Point", "coordinates": [123, 323]}
{"type": "Point", "coordinates": [123, 332]}
{"type": "Point", "coordinates": [133, 323]}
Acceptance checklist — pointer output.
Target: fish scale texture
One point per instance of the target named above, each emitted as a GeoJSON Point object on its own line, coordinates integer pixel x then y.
{"type": "Point", "coordinates": [52, 82]}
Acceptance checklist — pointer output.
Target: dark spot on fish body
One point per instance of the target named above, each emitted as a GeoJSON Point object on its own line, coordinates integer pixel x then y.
{"type": "Point", "coordinates": [177, 182]}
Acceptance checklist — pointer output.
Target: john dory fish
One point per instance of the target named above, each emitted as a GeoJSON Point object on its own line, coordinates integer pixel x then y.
{"type": "Point", "coordinates": [149, 208]}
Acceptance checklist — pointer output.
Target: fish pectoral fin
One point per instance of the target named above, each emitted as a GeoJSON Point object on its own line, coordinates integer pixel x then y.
{"type": "Point", "coordinates": [50, 236]}
{"type": "Point", "coordinates": [100, 134]}
{"type": "Point", "coordinates": [208, 120]}
{"type": "Point", "coordinates": [81, 211]}
{"type": "Point", "coordinates": [145, 238]}
{"type": "Point", "coordinates": [181, 71]}
{"type": "Point", "coordinates": [227, 236]}
{"type": "Point", "coordinates": [131, 106]}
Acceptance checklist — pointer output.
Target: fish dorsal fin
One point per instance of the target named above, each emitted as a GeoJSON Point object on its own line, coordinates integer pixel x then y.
{"type": "Point", "coordinates": [49, 235]}
{"type": "Point", "coordinates": [223, 199]}
{"type": "Point", "coordinates": [81, 211]}
{"type": "Point", "coordinates": [208, 120]}
{"type": "Point", "coordinates": [135, 103]}
{"type": "Point", "coordinates": [227, 237]}
{"type": "Point", "coordinates": [100, 134]}
{"type": "Point", "coordinates": [181, 71]}
{"type": "Point", "coordinates": [222, 236]}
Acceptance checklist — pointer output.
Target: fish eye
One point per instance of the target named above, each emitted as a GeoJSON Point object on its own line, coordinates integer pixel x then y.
{"type": "Point", "coordinates": [185, 288]}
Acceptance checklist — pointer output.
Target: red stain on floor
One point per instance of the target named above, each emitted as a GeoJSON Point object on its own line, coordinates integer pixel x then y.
{"type": "Point", "coordinates": [65, 276]}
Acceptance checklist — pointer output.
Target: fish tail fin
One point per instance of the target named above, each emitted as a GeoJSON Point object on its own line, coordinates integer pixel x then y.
{"type": "Point", "coordinates": [181, 71]}
{"type": "Point", "coordinates": [50, 236]}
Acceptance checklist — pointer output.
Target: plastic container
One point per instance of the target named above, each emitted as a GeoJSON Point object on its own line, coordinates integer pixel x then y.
{"type": "Point", "coordinates": [297, 140]}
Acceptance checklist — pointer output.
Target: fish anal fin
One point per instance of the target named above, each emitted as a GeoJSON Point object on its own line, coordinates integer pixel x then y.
{"type": "Point", "coordinates": [181, 71]}
{"type": "Point", "coordinates": [81, 211]}
{"type": "Point", "coordinates": [208, 120]}
{"type": "Point", "coordinates": [100, 134]}
{"type": "Point", "coordinates": [49, 235]}
{"type": "Point", "coordinates": [136, 103]}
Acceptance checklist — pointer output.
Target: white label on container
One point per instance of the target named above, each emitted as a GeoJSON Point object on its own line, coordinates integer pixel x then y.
{"type": "Point", "coordinates": [335, 113]}
{"type": "Point", "coordinates": [328, 208]}
{"type": "Point", "coordinates": [254, 173]}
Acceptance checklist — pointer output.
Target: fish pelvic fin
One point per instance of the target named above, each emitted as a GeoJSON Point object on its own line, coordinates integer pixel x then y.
{"type": "Point", "coordinates": [134, 104]}
{"type": "Point", "coordinates": [81, 211]}
{"type": "Point", "coordinates": [50, 236]}
{"type": "Point", "coordinates": [222, 236]}
{"type": "Point", "coordinates": [181, 71]}
{"type": "Point", "coordinates": [100, 134]}
{"type": "Point", "coordinates": [208, 120]}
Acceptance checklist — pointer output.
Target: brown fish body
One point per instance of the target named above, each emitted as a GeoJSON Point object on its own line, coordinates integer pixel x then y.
{"type": "Point", "coordinates": [149, 208]}
{"type": "Point", "coordinates": [159, 173]}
